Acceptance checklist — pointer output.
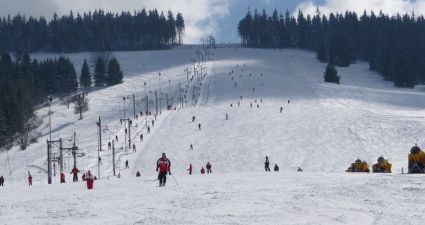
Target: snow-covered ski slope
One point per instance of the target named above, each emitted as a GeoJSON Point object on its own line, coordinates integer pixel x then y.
{"type": "Point", "coordinates": [323, 129]}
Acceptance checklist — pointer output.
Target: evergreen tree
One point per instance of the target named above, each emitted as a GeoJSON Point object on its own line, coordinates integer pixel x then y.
{"type": "Point", "coordinates": [85, 78]}
{"type": "Point", "coordinates": [115, 75]}
{"type": "Point", "coordinates": [90, 31]}
{"type": "Point", "coordinates": [99, 72]}
{"type": "Point", "coordinates": [180, 27]}
{"type": "Point", "coordinates": [393, 46]}
{"type": "Point", "coordinates": [331, 74]}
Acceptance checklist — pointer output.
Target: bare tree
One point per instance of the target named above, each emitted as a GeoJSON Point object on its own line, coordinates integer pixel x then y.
{"type": "Point", "coordinates": [81, 104]}
{"type": "Point", "coordinates": [28, 134]}
{"type": "Point", "coordinates": [66, 101]}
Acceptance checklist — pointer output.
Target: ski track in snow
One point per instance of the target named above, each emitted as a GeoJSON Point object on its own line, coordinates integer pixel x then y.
{"type": "Point", "coordinates": [323, 129]}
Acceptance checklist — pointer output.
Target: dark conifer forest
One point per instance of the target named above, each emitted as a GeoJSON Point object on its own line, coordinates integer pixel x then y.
{"type": "Point", "coordinates": [25, 83]}
{"type": "Point", "coordinates": [92, 31]}
{"type": "Point", "coordinates": [393, 46]}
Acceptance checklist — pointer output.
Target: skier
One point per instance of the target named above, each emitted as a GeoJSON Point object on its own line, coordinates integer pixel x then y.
{"type": "Point", "coordinates": [134, 148]}
{"type": "Point", "coordinates": [137, 174]}
{"type": "Point", "coordinates": [250, 104]}
{"type": "Point", "coordinates": [2, 179]}
{"type": "Point", "coordinates": [90, 180]}
{"type": "Point", "coordinates": [299, 169]}
{"type": "Point", "coordinates": [109, 145]}
{"type": "Point", "coordinates": [149, 130]}
{"type": "Point", "coordinates": [281, 109]}
{"type": "Point", "coordinates": [141, 137]}
{"type": "Point", "coordinates": [75, 172]}
{"type": "Point", "coordinates": [276, 168]}
{"type": "Point", "coordinates": [416, 160]}
{"type": "Point", "coordinates": [383, 166]}
{"type": "Point", "coordinates": [266, 164]}
{"type": "Point", "coordinates": [83, 178]}
{"type": "Point", "coordinates": [190, 169]}
{"type": "Point", "coordinates": [202, 170]}
{"type": "Point", "coordinates": [116, 138]}
{"type": "Point", "coordinates": [163, 165]}
{"type": "Point", "coordinates": [153, 123]}
{"type": "Point", "coordinates": [227, 116]}
{"type": "Point", "coordinates": [62, 178]}
{"type": "Point", "coordinates": [289, 101]}
{"type": "Point", "coordinates": [29, 179]}
{"type": "Point", "coordinates": [358, 166]}
{"type": "Point", "coordinates": [199, 126]}
{"type": "Point", "coordinates": [239, 103]}
{"type": "Point", "coordinates": [126, 164]}
{"type": "Point", "coordinates": [100, 160]}
{"type": "Point", "coordinates": [208, 166]}
{"type": "Point", "coordinates": [193, 118]}
{"type": "Point", "coordinates": [125, 131]}
{"type": "Point", "coordinates": [191, 147]}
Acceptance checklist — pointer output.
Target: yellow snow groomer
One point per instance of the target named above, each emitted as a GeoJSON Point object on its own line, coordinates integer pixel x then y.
{"type": "Point", "coordinates": [358, 167]}
{"type": "Point", "coordinates": [382, 166]}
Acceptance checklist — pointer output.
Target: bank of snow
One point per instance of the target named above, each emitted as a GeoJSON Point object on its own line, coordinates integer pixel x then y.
{"type": "Point", "coordinates": [237, 198]}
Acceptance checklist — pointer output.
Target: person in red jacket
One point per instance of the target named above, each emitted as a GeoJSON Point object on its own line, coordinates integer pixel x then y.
{"type": "Point", "coordinates": [29, 179]}
{"type": "Point", "coordinates": [75, 172]}
{"type": "Point", "coordinates": [208, 166]}
{"type": "Point", "coordinates": [190, 169]}
{"type": "Point", "coordinates": [62, 178]}
{"type": "Point", "coordinates": [90, 180]}
{"type": "Point", "coordinates": [163, 165]}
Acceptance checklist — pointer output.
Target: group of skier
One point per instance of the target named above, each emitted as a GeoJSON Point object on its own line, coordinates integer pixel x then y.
{"type": "Point", "coordinates": [267, 165]}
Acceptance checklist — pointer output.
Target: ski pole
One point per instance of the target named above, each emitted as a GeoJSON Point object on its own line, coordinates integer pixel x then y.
{"type": "Point", "coordinates": [174, 179]}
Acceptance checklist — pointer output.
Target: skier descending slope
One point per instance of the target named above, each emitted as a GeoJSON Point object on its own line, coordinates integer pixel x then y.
{"type": "Point", "coordinates": [75, 172]}
{"type": "Point", "coordinates": [163, 165]}
{"type": "Point", "coordinates": [266, 164]}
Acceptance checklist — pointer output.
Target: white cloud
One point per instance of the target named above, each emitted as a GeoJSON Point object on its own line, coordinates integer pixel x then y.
{"type": "Point", "coordinates": [390, 7]}
{"type": "Point", "coordinates": [200, 15]}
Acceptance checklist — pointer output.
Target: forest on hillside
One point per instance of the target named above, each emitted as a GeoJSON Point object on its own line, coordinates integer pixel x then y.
{"type": "Point", "coordinates": [394, 46]}
{"type": "Point", "coordinates": [92, 31]}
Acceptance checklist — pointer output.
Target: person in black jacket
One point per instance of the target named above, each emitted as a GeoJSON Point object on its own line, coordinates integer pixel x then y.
{"type": "Point", "coordinates": [266, 164]}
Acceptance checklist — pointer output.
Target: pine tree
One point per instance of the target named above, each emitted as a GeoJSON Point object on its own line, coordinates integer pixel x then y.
{"type": "Point", "coordinates": [85, 78]}
{"type": "Point", "coordinates": [180, 27]}
{"type": "Point", "coordinates": [115, 75]}
{"type": "Point", "coordinates": [99, 72]}
{"type": "Point", "coordinates": [323, 53]}
{"type": "Point", "coordinates": [331, 74]}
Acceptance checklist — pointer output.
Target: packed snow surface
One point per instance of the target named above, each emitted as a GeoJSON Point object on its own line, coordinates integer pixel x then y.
{"type": "Point", "coordinates": [322, 128]}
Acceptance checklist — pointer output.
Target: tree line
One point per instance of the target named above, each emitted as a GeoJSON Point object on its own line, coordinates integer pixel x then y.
{"type": "Point", "coordinates": [92, 31]}
{"type": "Point", "coordinates": [25, 83]}
{"type": "Point", "coordinates": [393, 45]}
